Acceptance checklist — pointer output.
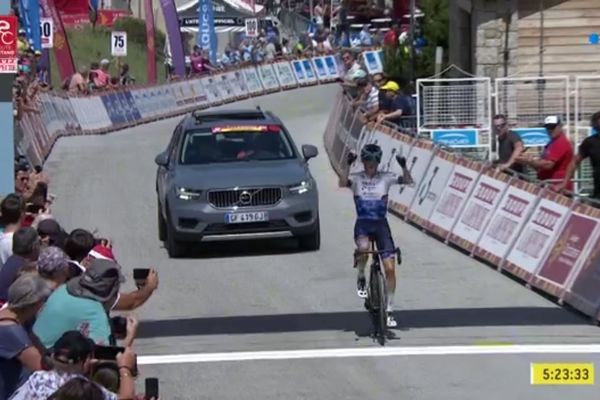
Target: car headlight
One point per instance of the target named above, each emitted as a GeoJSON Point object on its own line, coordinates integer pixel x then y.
{"type": "Point", "coordinates": [300, 188]}
{"type": "Point", "coordinates": [187, 194]}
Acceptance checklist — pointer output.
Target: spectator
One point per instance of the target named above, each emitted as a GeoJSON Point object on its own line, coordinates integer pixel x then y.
{"type": "Point", "coordinates": [379, 80]}
{"type": "Point", "coordinates": [318, 14]}
{"type": "Point", "coordinates": [351, 66]}
{"type": "Point", "coordinates": [557, 155]}
{"type": "Point", "coordinates": [72, 358]}
{"type": "Point", "coordinates": [392, 37]}
{"type": "Point", "coordinates": [18, 355]}
{"type": "Point", "coordinates": [125, 78]}
{"type": "Point", "coordinates": [365, 36]}
{"type": "Point", "coordinates": [102, 79]}
{"type": "Point", "coordinates": [197, 61]}
{"type": "Point", "coordinates": [53, 266]}
{"type": "Point", "coordinates": [400, 106]}
{"type": "Point", "coordinates": [510, 146]}
{"type": "Point", "coordinates": [26, 248]}
{"type": "Point", "coordinates": [79, 81]}
{"type": "Point", "coordinates": [22, 43]}
{"type": "Point", "coordinates": [285, 47]}
{"type": "Point", "coordinates": [51, 233]}
{"type": "Point", "coordinates": [589, 148]}
{"type": "Point", "coordinates": [368, 96]}
{"type": "Point", "coordinates": [77, 389]}
{"type": "Point", "coordinates": [78, 245]}
{"type": "Point", "coordinates": [82, 304]}
{"type": "Point", "coordinates": [93, 76]}
{"type": "Point", "coordinates": [343, 26]}
{"type": "Point", "coordinates": [270, 50]}
{"type": "Point", "coordinates": [12, 211]}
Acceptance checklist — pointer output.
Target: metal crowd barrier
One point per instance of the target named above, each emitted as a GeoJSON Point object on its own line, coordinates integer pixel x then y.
{"type": "Point", "coordinates": [549, 240]}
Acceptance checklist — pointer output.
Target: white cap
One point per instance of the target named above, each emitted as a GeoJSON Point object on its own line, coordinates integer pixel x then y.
{"type": "Point", "coordinates": [104, 62]}
{"type": "Point", "coordinates": [359, 74]}
{"type": "Point", "coordinates": [552, 120]}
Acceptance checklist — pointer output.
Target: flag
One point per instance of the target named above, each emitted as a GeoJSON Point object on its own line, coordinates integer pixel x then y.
{"type": "Point", "coordinates": [62, 51]}
{"type": "Point", "coordinates": [207, 37]}
{"type": "Point", "coordinates": [150, 46]}
{"type": "Point", "coordinates": [174, 36]}
{"type": "Point", "coordinates": [30, 19]}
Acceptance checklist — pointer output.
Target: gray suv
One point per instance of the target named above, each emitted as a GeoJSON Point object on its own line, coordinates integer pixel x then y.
{"type": "Point", "coordinates": [233, 175]}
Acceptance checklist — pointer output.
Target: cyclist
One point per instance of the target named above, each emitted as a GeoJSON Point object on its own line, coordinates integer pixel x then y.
{"type": "Point", "coordinates": [370, 188]}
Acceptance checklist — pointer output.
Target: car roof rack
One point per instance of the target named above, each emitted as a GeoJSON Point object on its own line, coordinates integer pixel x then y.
{"type": "Point", "coordinates": [202, 116]}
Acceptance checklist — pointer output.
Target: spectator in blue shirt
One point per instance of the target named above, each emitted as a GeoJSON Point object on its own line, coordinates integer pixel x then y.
{"type": "Point", "coordinates": [365, 36]}
{"type": "Point", "coordinates": [400, 106]}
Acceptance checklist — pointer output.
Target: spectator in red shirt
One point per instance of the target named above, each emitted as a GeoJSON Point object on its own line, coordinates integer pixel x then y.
{"type": "Point", "coordinates": [391, 37]}
{"type": "Point", "coordinates": [556, 157]}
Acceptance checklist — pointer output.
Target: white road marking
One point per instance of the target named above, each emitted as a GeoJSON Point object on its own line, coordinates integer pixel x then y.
{"type": "Point", "coordinates": [369, 352]}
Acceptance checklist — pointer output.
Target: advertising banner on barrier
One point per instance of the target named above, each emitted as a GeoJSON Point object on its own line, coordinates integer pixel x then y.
{"type": "Point", "coordinates": [200, 95]}
{"type": "Point", "coordinates": [299, 72]}
{"type": "Point", "coordinates": [431, 187]}
{"type": "Point", "coordinates": [569, 251]}
{"type": "Point", "coordinates": [225, 87]}
{"type": "Point", "coordinates": [321, 69]}
{"type": "Point", "coordinates": [479, 209]}
{"type": "Point", "coordinates": [268, 78]}
{"type": "Point", "coordinates": [510, 216]}
{"type": "Point", "coordinates": [212, 90]}
{"type": "Point", "coordinates": [417, 162]}
{"type": "Point", "coordinates": [285, 75]}
{"type": "Point", "coordinates": [539, 235]}
{"type": "Point", "coordinates": [333, 70]}
{"type": "Point", "coordinates": [332, 122]}
{"type": "Point", "coordinates": [238, 83]}
{"type": "Point", "coordinates": [311, 76]}
{"type": "Point", "coordinates": [253, 81]}
{"type": "Point", "coordinates": [372, 62]}
{"type": "Point", "coordinates": [582, 292]}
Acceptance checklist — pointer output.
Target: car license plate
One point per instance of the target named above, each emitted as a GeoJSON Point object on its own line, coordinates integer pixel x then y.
{"type": "Point", "coordinates": [240, 218]}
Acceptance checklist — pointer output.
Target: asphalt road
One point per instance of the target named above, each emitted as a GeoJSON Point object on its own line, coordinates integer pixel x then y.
{"type": "Point", "coordinates": [267, 296]}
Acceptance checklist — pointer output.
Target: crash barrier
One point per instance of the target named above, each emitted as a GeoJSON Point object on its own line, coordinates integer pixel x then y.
{"type": "Point", "coordinates": [103, 112]}
{"type": "Point", "coordinates": [549, 241]}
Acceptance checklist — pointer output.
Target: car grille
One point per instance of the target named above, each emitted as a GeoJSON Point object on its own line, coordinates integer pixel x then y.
{"type": "Point", "coordinates": [246, 228]}
{"type": "Point", "coordinates": [244, 197]}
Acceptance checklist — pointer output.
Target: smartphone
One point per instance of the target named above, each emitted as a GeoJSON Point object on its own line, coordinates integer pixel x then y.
{"type": "Point", "coordinates": [151, 388]}
{"type": "Point", "coordinates": [119, 326]}
{"type": "Point", "coordinates": [107, 352]}
{"type": "Point", "coordinates": [140, 275]}
{"type": "Point", "coordinates": [33, 208]}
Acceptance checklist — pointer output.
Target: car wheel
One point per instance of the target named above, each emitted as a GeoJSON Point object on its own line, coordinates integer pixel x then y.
{"type": "Point", "coordinates": [162, 226]}
{"type": "Point", "coordinates": [174, 247]}
{"type": "Point", "coordinates": [312, 241]}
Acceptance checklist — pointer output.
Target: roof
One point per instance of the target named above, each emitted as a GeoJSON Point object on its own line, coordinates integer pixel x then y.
{"type": "Point", "coordinates": [247, 116]}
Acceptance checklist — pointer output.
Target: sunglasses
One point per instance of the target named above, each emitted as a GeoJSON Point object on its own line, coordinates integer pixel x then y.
{"type": "Point", "coordinates": [498, 126]}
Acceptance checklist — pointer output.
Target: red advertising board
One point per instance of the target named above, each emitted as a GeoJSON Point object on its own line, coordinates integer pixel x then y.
{"type": "Point", "coordinates": [504, 227]}
{"type": "Point", "coordinates": [105, 18]}
{"type": "Point", "coordinates": [538, 236]}
{"type": "Point", "coordinates": [8, 44]}
{"type": "Point", "coordinates": [479, 209]}
{"type": "Point", "coordinates": [583, 293]}
{"type": "Point", "coordinates": [568, 251]}
{"type": "Point", "coordinates": [460, 184]}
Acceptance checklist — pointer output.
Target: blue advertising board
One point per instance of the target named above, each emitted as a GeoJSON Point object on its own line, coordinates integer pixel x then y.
{"type": "Point", "coordinates": [455, 137]}
{"type": "Point", "coordinates": [532, 136]}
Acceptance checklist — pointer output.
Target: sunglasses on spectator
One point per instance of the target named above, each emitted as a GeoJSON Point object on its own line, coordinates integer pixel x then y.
{"type": "Point", "coordinates": [499, 126]}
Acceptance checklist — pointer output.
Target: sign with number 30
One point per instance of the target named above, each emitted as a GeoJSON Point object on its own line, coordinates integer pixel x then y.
{"type": "Point", "coordinates": [118, 44]}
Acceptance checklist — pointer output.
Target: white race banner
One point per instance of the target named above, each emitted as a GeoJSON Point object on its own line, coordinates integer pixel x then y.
{"type": "Point", "coordinates": [479, 209]}
{"type": "Point", "coordinates": [431, 187]}
{"type": "Point", "coordinates": [118, 44]}
{"type": "Point", "coordinates": [251, 27]}
{"type": "Point", "coordinates": [417, 162]}
{"type": "Point", "coordinates": [268, 77]}
{"type": "Point", "coordinates": [512, 213]}
{"type": "Point", "coordinates": [253, 81]}
{"type": "Point", "coordinates": [539, 235]}
{"type": "Point", "coordinates": [47, 32]}
{"type": "Point", "coordinates": [285, 74]}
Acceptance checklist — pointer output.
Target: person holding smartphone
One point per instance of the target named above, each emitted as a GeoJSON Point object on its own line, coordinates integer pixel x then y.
{"type": "Point", "coordinates": [73, 357]}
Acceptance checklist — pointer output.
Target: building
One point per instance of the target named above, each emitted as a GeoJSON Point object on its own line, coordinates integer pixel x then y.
{"type": "Point", "coordinates": [498, 38]}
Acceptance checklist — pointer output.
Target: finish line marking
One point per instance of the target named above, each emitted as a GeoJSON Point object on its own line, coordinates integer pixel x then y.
{"type": "Point", "coordinates": [368, 352]}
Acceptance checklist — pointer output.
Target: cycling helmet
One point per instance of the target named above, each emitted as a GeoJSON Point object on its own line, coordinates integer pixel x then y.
{"type": "Point", "coordinates": [371, 152]}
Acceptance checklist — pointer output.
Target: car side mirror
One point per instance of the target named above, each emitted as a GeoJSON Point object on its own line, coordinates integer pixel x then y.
{"type": "Point", "coordinates": [162, 160]}
{"type": "Point", "coordinates": [309, 151]}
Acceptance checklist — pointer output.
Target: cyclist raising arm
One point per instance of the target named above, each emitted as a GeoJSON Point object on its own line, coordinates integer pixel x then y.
{"type": "Point", "coordinates": [370, 188]}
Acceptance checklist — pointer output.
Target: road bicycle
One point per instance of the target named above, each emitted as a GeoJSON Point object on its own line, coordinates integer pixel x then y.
{"type": "Point", "coordinates": [377, 296]}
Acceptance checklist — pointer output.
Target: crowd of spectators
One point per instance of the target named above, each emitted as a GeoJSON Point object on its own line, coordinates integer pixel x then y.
{"type": "Point", "coordinates": [58, 290]}
{"type": "Point", "coordinates": [383, 100]}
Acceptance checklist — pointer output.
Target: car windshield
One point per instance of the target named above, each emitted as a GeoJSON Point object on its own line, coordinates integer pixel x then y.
{"type": "Point", "coordinates": [235, 143]}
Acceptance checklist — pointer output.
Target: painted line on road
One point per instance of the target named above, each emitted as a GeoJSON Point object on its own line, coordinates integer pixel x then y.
{"type": "Point", "coordinates": [368, 352]}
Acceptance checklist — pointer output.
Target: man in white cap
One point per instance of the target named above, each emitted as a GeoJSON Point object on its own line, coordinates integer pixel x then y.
{"type": "Point", "coordinates": [556, 157]}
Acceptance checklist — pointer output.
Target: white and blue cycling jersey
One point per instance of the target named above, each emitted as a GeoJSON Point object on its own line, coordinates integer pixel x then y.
{"type": "Point", "coordinates": [371, 194]}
